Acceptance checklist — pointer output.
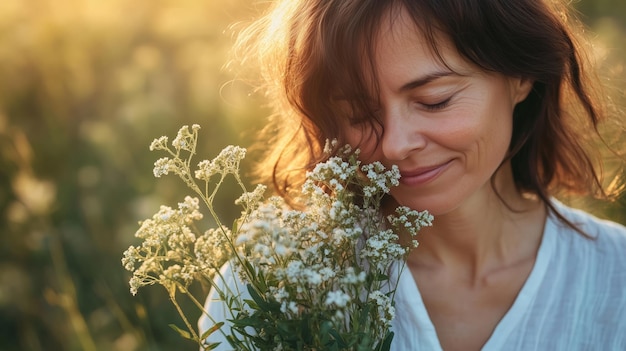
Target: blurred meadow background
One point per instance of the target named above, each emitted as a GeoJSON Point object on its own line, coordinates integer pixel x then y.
{"type": "Point", "coordinates": [85, 86]}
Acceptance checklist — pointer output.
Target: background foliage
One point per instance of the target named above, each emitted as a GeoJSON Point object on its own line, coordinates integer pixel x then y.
{"type": "Point", "coordinates": [85, 86]}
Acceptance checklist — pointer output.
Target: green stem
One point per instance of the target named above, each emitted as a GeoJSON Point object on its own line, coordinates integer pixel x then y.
{"type": "Point", "coordinates": [192, 330]}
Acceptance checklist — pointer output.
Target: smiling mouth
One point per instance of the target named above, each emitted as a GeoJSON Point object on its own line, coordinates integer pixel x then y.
{"type": "Point", "coordinates": [422, 175]}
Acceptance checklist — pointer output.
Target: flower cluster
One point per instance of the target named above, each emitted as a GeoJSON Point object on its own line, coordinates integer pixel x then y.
{"type": "Point", "coordinates": [322, 272]}
{"type": "Point", "coordinates": [164, 253]}
{"type": "Point", "coordinates": [227, 162]}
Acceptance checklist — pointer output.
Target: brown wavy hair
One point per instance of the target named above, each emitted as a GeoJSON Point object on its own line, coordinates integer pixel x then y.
{"type": "Point", "coordinates": [310, 50]}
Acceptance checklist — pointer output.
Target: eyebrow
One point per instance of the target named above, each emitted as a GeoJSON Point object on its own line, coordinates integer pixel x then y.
{"type": "Point", "coordinates": [426, 79]}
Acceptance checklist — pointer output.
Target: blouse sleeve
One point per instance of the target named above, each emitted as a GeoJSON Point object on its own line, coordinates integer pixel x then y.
{"type": "Point", "coordinates": [217, 310]}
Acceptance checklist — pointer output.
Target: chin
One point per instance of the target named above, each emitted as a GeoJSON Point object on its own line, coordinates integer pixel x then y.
{"type": "Point", "coordinates": [436, 205]}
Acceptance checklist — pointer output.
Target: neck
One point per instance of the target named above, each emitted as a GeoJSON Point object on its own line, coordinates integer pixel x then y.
{"type": "Point", "coordinates": [482, 235]}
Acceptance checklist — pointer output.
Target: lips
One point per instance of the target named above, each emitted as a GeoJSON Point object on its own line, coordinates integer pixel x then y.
{"type": "Point", "coordinates": [422, 175]}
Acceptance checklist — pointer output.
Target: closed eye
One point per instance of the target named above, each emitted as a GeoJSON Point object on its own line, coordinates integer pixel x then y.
{"type": "Point", "coordinates": [437, 106]}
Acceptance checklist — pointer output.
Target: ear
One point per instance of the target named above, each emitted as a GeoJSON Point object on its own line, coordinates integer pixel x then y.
{"type": "Point", "coordinates": [520, 88]}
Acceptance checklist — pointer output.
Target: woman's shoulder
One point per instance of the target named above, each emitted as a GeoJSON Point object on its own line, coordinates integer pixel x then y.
{"type": "Point", "coordinates": [589, 223]}
{"type": "Point", "coordinates": [603, 237]}
{"type": "Point", "coordinates": [586, 266]}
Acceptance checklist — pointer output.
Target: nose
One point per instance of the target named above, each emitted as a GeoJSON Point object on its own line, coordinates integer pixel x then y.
{"type": "Point", "coordinates": [402, 135]}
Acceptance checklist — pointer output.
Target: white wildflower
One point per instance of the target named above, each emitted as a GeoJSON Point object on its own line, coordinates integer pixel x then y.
{"type": "Point", "coordinates": [162, 167]}
{"type": "Point", "coordinates": [294, 271]}
{"type": "Point", "coordinates": [212, 249]}
{"type": "Point", "coordinates": [289, 306]}
{"type": "Point", "coordinates": [313, 278]}
{"type": "Point", "coordinates": [326, 260]}
{"type": "Point", "coordinates": [339, 235]}
{"type": "Point", "coordinates": [229, 158]}
{"type": "Point", "coordinates": [337, 298]}
{"type": "Point", "coordinates": [381, 249]}
{"type": "Point", "coordinates": [351, 278]}
{"type": "Point", "coordinates": [135, 283]}
{"type": "Point", "coordinates": [206, 169]}
{"type": "Point", "coordinates": [330, 145]}
{"type": "Point", "coordinates": [410, 220]}
{"type": "Point", "coordinates": [159, 144]}
{"type": "Point", "coordinates": [190, 209]}
{"type": "Point", "coordinates": [385, 309]}
{"type": "Point", "coordinates": [251, 199]}
{"type": "Point", "coordinates": [130, 258]}
{"type": "Point", "coordinates": [327, 273]}
{"type": "Point", "coordinates": [185, 140]}
{"type": "Point", "coordinates": [279, 294]}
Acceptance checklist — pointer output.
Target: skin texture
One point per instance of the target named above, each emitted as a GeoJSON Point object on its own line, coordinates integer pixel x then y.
{"type": "Point", "coordinates": [448, 128]}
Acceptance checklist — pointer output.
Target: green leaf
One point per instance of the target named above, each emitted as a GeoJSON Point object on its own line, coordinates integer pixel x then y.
{"type": "Point", "coordinates": [325, 327]}
{"type": "Point", "coordinates": [263, 304]}
{"type": "Point", "coordinates": [250, 268]}
{"type": "Point", "coordinates": [305, 326]}
{"type": "Point", "coordinates": [260, 301]}
{"type": "Point", "coordinates": [251, 304]}
{"type": "Point", "coordinates": [252, 321]}
{"type": "Point", "coordinates": [382, 277]}
{"type": "Point", "coordinates": [385, 344]}
{"type": "Point", "coordinates": [236, 343]}
{"type": "Point", "coordinates": [261, 281]}
{"type": "Point", "coordinates": [235, 226]}
{"type": "Point", "coordinates": [185, 334]}
{"type": "Point", "coordinates": [212, 346]}
{"type": "Point", "coordinates": [365, 312]}
{"type": "Point", "coordinates": [340, 341]}
{"type": "Point", "coordinates": [284, 328]}
{"type": "Point", "coordinates": [211, 330]}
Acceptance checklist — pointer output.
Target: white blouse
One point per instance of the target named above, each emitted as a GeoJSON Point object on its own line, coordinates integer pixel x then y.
{"type": "Point", "coordinates": [574, 298]}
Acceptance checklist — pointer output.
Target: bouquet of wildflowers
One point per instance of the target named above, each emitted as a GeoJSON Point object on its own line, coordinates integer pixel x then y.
{"type": "Point", "coordinates": [319, 278]}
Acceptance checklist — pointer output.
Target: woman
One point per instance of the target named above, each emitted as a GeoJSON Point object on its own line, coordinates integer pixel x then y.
{"type": "Point", "coordinates": [485, 107]}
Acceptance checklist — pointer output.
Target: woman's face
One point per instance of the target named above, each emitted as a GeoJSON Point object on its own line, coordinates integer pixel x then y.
{"type": "Point", "coordinates": [447, 129]}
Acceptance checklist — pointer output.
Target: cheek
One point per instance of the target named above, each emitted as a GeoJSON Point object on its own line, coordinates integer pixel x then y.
{"type": "Point", "coordinates": [495, 139]}
{"type": "Point", "coordinates": [459, 129]}
{"type": "Point", "coordinates": [482, 133]}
